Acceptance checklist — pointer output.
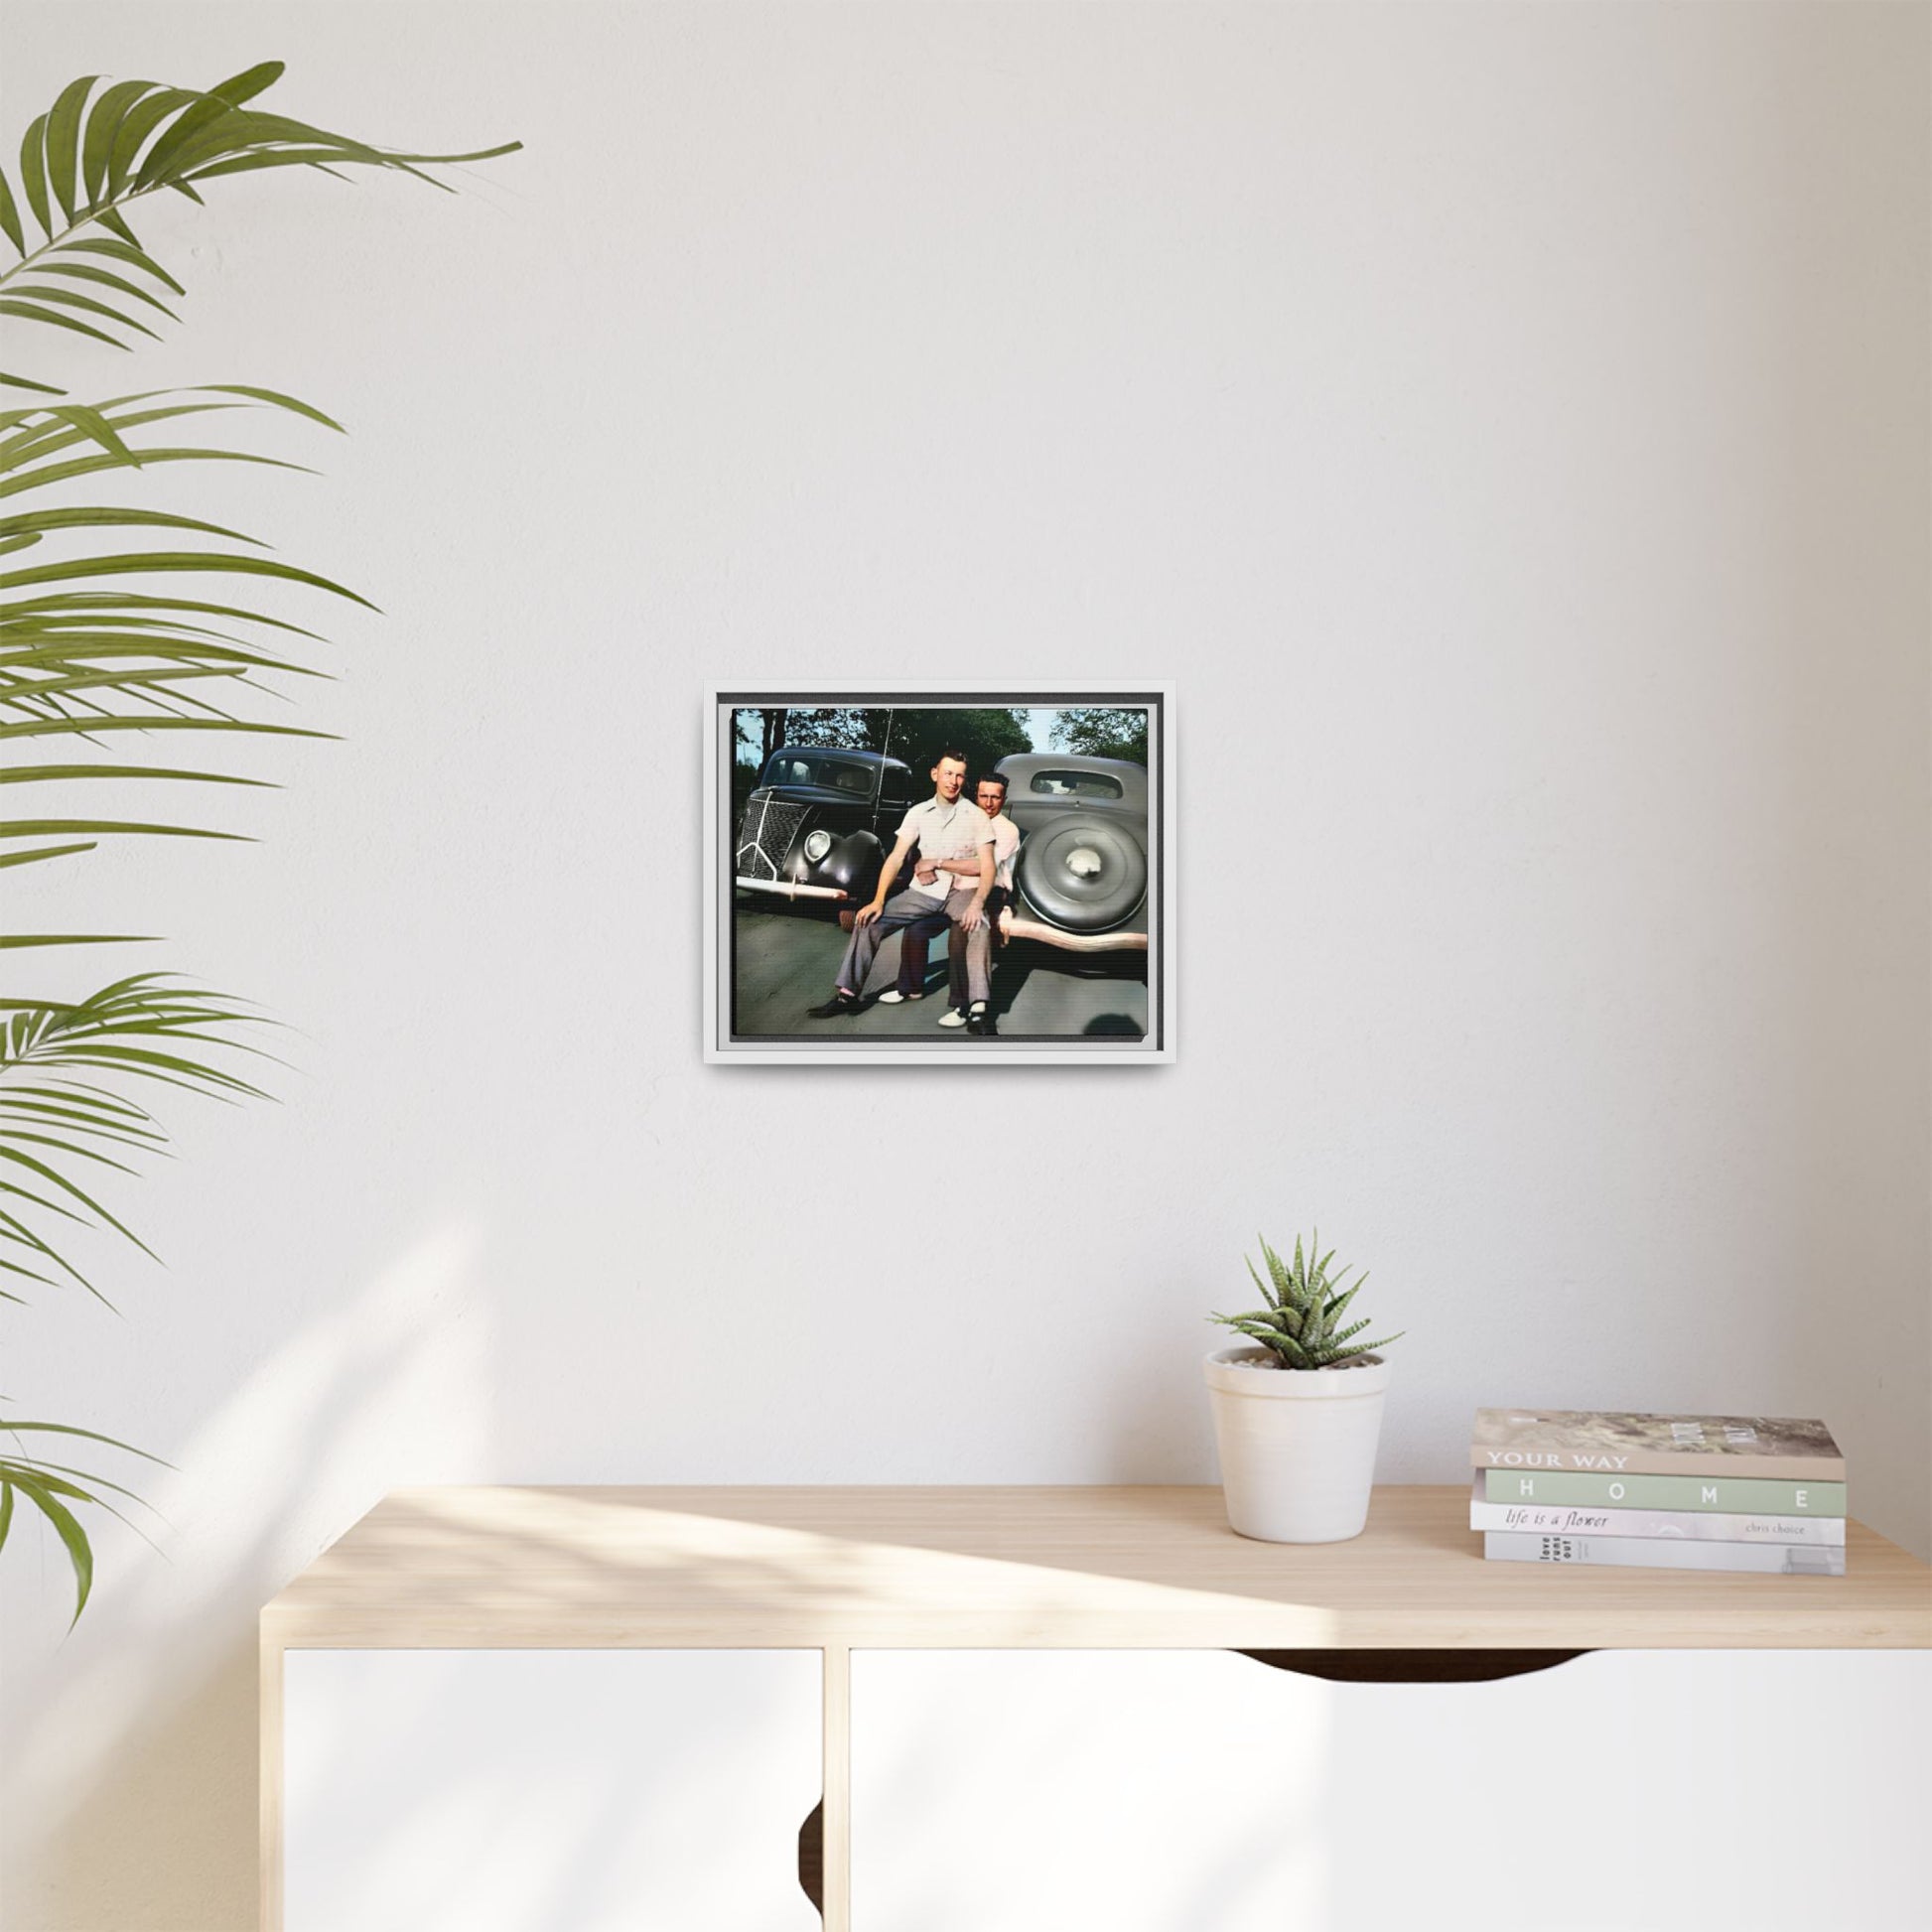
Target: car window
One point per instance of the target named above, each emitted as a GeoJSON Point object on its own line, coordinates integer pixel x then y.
{"type": "Point", "coordinates": [820, 769]}
{"type": "Point", "coordinates": [1077, 784]}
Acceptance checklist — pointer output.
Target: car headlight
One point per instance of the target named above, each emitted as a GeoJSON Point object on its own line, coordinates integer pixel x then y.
{"type": "Point", "coordinates": [817, 845]}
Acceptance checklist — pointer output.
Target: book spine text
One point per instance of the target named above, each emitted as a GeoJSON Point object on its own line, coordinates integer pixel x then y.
{"type": "Point", "coordinates": [1688, 1525]}
{"type": "Point", "coordinates": [1643, 1552]}
{"type": "Point", "coordinates": [1737, 1495]}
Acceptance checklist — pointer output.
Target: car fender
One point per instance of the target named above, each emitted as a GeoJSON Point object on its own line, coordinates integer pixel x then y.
{"type": "Point", "coordinates": [851, 865]}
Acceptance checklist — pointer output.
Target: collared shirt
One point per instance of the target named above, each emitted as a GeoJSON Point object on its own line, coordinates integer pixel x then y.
{"type": "Point", "coordinates": [1005, 842]}
{"type": "Point", "coordinates": [943, 831]}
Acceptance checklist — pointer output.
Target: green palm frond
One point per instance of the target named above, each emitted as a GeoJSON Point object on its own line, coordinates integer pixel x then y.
{"type": "Point", "coordinates": [85, 162]}
{"type": "Point", "coordinates": [51, 1487]}
{"type": "Point", "coordinates": [1301, 1325]}
{"type": "Point", "coordinates": [85, 655]}
{"type": "Point", "coordinates": [54, 1058]}
{"type": "Point", "coordinates": [112, 643]}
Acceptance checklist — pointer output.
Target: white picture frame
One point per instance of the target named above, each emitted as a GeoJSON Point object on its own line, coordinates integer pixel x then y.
{"type": "Point", "coordinates": [772, 936]}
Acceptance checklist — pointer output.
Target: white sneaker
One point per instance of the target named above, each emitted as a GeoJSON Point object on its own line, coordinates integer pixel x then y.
{"type": "Point", "coordinates": [952, 1018]}
{"type": "Point", "coordinates": [892, 997]}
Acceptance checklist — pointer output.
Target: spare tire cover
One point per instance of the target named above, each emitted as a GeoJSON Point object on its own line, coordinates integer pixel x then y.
{"type": "Point", "coordinates": [1084, 871]}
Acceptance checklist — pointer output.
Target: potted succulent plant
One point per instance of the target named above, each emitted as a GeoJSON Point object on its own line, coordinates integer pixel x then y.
{"type": "Point", "coordinates": [1296, 1415]}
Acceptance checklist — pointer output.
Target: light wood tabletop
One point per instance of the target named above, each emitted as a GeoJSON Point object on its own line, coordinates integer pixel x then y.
{"type": "Point", "coordinates": [839, 1570]}
{"type": "Point", "coordinates": [1046, 1567]}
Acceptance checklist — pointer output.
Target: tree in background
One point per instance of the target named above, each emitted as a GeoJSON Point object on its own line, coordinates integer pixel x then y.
{"type": "Point", "coordinates": [983, 735]}
{"type": "Point", "coordinates": [917, 737]}
{"type": "Point", "coordinates": [1102, 733]}
{"type": "Point", "coordinates": [842, 726]}
{"type": "Point", "coordinates": [755, 735]}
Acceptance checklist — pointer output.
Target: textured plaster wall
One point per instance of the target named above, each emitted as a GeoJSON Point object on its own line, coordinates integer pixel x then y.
{"type": "Point", "coordinates": [1507, 425]}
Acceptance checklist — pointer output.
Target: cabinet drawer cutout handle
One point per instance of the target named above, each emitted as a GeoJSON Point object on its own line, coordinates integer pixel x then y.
{"type": "Point", "coordinates": [811, 1857]}
{"type": "Point", "coordinates": [1412, 1666]}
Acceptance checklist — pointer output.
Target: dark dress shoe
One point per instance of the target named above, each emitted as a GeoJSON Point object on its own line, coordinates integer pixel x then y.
{"type": "Point", "coordinates": [839, 1002]}
{"type": "Point", "coordinates": [979, 1022]}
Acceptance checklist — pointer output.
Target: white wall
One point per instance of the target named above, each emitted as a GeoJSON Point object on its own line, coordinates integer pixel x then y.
{"type": "Point", "coordinates": [1509, 427]}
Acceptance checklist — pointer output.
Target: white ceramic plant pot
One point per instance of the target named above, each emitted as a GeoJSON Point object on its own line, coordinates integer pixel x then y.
{"type": "Point", "coordinates": [1298, 1446]}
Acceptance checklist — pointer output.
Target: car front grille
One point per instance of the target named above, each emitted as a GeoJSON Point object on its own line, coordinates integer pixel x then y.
{"type": "Point", "coordinates": [765, 837]}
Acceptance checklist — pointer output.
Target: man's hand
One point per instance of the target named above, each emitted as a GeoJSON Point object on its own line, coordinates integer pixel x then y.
{"type": "Point", "coordinates": [925, 872]}
{"type": "Point", "coordinates": [976, 912]}
{"type": "Point", "coordinates": [866, 914]}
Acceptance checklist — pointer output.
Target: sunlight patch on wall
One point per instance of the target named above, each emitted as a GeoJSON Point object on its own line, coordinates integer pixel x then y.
{"type": "Point", "coordinates": [393, 1388]}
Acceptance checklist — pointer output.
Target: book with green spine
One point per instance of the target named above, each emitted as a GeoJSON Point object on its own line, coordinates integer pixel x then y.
{"type": "Point", "coordinates": [1748, 1495]}
{"type": "Point", "coordinates": [1661, 1525]}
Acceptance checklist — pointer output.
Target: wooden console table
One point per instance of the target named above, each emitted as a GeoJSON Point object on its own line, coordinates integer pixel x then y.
{"type": "Point", "coordinates": [834, 1570]}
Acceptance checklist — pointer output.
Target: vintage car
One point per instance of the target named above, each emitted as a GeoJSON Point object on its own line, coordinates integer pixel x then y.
{"type": "Point", "coordinates": [820, 822]}
{"type": "Point", "coordinates": [1081, 875]}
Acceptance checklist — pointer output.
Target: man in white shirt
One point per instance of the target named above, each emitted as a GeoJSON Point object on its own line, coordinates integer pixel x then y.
{"type": "Point", "coordinates": [990, 797]}
{"type": "Point", "coordinates": [945, 827]}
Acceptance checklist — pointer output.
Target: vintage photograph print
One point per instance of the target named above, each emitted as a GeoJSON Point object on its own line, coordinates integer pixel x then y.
{"type": "Point", "coordinates": [939, 876]}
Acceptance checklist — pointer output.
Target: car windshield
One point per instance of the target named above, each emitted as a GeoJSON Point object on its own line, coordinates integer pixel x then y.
{"type": "Point", "coordinates": [820, 769]}
{"type": "Point", "coordinates": [1077, 784]}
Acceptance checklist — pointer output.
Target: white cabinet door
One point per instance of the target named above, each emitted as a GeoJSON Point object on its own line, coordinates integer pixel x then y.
{"type": "Point", "coordinates": [545, 1790]}
{"type": "Point", "coordinates": [1201, 1792]}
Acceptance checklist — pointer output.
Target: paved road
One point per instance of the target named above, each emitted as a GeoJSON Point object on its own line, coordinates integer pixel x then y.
{"type": "Point", "coordinates": [787, 957]}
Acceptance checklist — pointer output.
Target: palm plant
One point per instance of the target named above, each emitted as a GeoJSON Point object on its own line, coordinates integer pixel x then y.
{"type": "Point", "coordinates": [1302, 1322]}
{"type": "Point", "coordinates": [102, 646]}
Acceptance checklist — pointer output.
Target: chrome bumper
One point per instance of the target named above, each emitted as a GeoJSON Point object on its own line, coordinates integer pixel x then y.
{"type": "Point", "coordinates": [786, 888]}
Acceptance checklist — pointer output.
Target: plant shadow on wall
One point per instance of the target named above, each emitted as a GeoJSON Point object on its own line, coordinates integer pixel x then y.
{"type": "Point", "coordinates": [106, 652]}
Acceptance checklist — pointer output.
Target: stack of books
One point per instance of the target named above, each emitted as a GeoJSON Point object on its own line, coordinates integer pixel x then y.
{"type": "Point", "coordinates": [1661, 1493]}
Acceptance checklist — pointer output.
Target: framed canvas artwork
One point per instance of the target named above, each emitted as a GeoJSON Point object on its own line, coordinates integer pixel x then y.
{"type": "Point", "coordinates": [939, 876]}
